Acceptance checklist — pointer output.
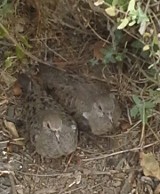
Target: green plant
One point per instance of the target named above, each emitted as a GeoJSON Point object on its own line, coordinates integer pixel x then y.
{"type": "Point", "coordinates": [19, 53]}
{"type": "Point", "coordinates": [142, 108]}
{"type": "Point", "coordinates": [5, 8]}
{"type": "Point", "coordinates": [112, 56]}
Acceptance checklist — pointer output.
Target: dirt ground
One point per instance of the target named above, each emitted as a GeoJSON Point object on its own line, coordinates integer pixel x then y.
{"type": "Point", "coordinates": [100, 165]}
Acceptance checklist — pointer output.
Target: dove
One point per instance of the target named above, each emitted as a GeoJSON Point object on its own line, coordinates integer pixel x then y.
{"type": "Point", "coordinates": [52, 131]}
{"type": "Point", "coordinates": [89, 101]}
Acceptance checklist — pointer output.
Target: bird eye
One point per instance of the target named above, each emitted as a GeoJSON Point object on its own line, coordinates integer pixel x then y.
{"type": "Point", "coordinates": [100, 108]}
{"type": "Point", "coordinates": [48, 125]}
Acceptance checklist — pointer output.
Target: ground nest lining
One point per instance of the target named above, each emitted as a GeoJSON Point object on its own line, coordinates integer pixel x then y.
{"type": "Point", "coordinates": [100, 164]}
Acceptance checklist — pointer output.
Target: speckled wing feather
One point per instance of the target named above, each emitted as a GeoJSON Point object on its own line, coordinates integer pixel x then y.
{"type": "Point", "coordinates": [52, 131]}
{"type": "Point", "coordinates": [89, 101]}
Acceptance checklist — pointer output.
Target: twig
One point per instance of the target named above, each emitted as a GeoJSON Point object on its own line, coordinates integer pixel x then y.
{"type": "Point", "coordinates": [13, 186]}
{"type": "Point", "coordinates": [104, 40]}
{"type": "Point", "coordinates": [148, 77]}
{"type": "Point", "coordinates": [16, 44]}
{"type": "Point", "coordinates": [120, 152]}
{"type": "Point", "coordinates": [46, 175]}
{"type": "Point", "coordinates": [10, 175]}
{"type": "Point", "coordinates": [143, 127]}
{"type": "Point", "coordinates": [55, 53]}
{"type": "Point", "coordinates": [128, 115]}
{"type": "Point", "coordinates": [13, 140]}
{"type": "Point", "coordinates": [46, 190]}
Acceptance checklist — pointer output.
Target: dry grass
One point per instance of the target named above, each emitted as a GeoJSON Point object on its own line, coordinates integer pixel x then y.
{"type": "Point", "coordinates": [65, 34]}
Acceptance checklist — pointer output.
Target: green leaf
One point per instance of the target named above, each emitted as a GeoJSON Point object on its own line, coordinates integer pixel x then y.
{"type": "Point", "coordinates": [155, 39]}
{"type": "Point", "coordinates": [133, 15]}
{"type": "Point", "coordinates": [146, 47]}
{"type": "Point", "coordinates": [137, 44]}
{"type": "Point", "coordinates": [6, 9]}
{"type": "Point", "coordinates": [115, 2]}
{"type": "Point", "coordinates": [131, 5]}
{"type": "Point", "coordinates": [118, 36]}
{"type": "Point", "coordinates": [119, 57]}
{"type": "Point", "coordinates": [109, 1]}
{"type": "Point", "coordinates": [19, 53]}
{"type": "Point", "coordinates": [9, 62]}
{"type": "Point", "coordinates": [108, 56]}
{"type": "Point", "coordinates": [142, 112]}
{"type": "Point", "coordinates": [94, 62]}
{"type": "Point", "coordinates": [123, 4]}
{"type": "Point", "coordinates": [111, 11]}
{"type": "Point", "coordinates": [149, 104]}
{"type": "Point", "coordinates": [137, 100]}
{"type": "Point", "coordinates": [25, 42]}
{"type": "Point", "coordinates": [143, 27]}
{"type": "Point", "coordinates": [4, 2]}
{"type": "Point", "coordinates": [124, 23]}
{"type": "Point", "coordinates": [142, 17]}
{"type": "Point", "coordinates": [2, 33]}
{"type": "Point", "coordinates": [134, 111]}
{"type": "Point", "coordinates": [132, 23]}
{"type": "Point", "coordinates": [99, 2]}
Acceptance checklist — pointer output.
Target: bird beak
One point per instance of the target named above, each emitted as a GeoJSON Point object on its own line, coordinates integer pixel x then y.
{"type": "Point", "coordinates": [85, 115]}
{"type": "Point", "coordinates": [110, 117]}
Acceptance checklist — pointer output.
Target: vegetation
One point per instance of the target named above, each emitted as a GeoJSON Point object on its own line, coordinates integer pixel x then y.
{"type": "Point", "coordinates": [117, 41]}
{"type": "Point", "coordinates": [140, 21]}
{"type": "Point", "coordinates": [129, 31]}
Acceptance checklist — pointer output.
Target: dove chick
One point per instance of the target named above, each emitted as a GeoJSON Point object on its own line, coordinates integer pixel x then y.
{"type": "Point", "coordinates": [52, 131]}
{"type": "Point", "coordinates": [89, 101]}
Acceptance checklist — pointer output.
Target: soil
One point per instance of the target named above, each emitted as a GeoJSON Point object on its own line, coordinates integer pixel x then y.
{"type": "Point", "coordinates": [100, 165]}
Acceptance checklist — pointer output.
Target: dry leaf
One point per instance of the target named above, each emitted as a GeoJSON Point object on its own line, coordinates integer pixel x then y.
{"type": "Point", "coordinates": [125, 126]}
{"type": "Point", "coordinates": [97, 50]}
{"type": "Point", "coordinates": [149, 165]}
{"type": "Point", "coordinates": [19, 25]}
{"type": "Point", "coordinates": [7, 78]}
{"type": "Point", "coordinates": [12, 129]}
{"type": "Point", "coordinates": [19, 28]}
{"type": "Point", "coordinates": [2, 102]}
{"type": "Point", "coordinates": [18, 141]}
{"type": "Point", "coordinates": [17, 91]}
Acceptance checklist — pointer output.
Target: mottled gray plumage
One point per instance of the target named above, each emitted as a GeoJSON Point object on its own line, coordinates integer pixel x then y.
{"type": "Point", "coordinates": [89, 101]}
{"type": "Point", "coordinates": [52, 131]}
